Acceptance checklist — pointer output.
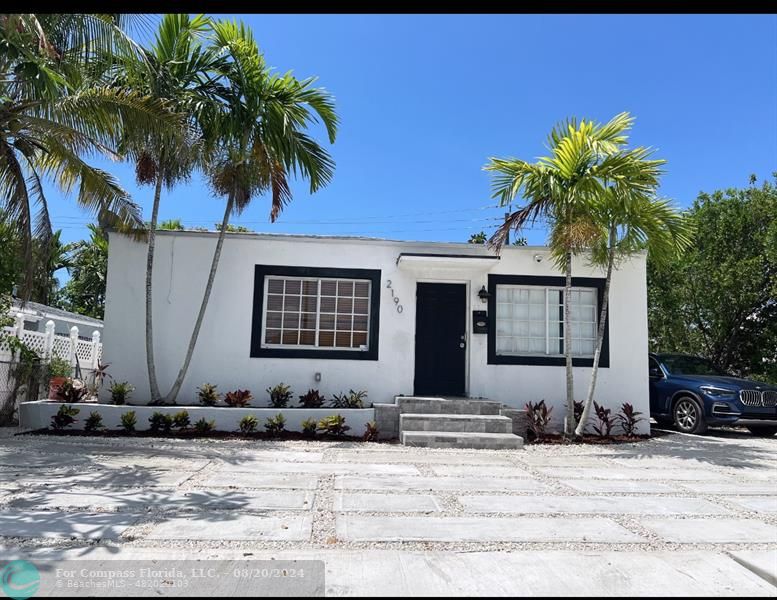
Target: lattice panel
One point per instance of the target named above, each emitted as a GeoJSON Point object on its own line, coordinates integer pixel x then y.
{"type": "Point", "coordinates": [84, 352]}
{"type": "Point", "coordinates": [61, 347]}
{"type": "Point", "coordinates": [4, 347]}
{"type": "Point", "coordinates": [35, 341]}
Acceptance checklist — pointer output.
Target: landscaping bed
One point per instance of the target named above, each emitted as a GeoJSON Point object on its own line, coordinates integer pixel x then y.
{"type": "Point", "coordinates": [195, 435]}
{"type": "Point", "coordinates": [196, 421]}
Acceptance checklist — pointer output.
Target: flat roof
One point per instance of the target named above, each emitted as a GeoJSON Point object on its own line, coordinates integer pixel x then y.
{"type": "Point", "coordinates": [475, 249]}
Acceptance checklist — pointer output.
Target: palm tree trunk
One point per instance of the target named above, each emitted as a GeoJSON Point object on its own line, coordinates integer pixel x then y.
{"type": "Point", "coordinates": [152, 381]}
{"type": "Point", "coordinates": [170, 398]}
{"type": "Point", "coordinates": [569, 422]}
{"type": "Point", "coordinates": [589, 399]}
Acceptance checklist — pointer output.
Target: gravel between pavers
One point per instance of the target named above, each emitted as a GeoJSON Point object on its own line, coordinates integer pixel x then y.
{"type": "Point", "coordinates": [178, 452]}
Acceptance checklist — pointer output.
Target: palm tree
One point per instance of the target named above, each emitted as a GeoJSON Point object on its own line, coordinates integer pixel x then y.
{"type": "Point", "coordinates": [55, 110]}
{"type": "Point", "coordinates": [632, 220]}
{"type": "Point", "coordinates": [562, 189]}
{"type": "Point", "coordinates": [262, 141]}
{"type": "Point", "coordinates": [478, 238]}
{"type": "Point", "coordinates": [180, 70]}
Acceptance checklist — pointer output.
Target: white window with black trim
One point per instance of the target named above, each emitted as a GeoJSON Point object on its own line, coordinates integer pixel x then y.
{"type": "Point", "coordinates": [530, 321]}
{"type": "Point", "coordinates": [307, 312]}
{"type": "Point", "coordinates": [318, 313]}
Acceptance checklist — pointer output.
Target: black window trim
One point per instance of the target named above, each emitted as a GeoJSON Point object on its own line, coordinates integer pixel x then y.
{"type": "Point", "coordinates": [260, 271]}
{"type": "Point", "coordinates": [544, 281]}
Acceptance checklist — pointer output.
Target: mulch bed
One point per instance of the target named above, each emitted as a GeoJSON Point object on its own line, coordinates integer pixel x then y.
{"type": "Point", "coordinates": [194, 435]}
{"type": "Point", "coordinates": [558, 439]}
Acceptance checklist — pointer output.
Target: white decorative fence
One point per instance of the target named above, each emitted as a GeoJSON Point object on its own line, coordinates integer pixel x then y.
{"type": "Point", "coordinates": [85, 353]}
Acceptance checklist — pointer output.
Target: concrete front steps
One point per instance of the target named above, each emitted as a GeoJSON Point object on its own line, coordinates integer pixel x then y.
{"type": "Point", "coordinates": [454, 423]}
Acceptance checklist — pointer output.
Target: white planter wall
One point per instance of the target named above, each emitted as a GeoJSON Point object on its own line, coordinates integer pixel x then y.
{"type": "Point", "coordinates": [222, 354]}
{"type": "Point", "coordinates": [37, 415]}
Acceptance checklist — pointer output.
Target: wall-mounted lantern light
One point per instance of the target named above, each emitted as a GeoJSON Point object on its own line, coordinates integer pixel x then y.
{"type": "Point", "coordinates": [483, 294]}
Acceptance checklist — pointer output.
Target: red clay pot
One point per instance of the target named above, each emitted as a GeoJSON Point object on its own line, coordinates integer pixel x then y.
{"type": "Point", "coordinates": [54, 384]}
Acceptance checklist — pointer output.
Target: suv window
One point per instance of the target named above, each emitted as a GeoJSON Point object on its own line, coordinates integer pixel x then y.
{"type": "Point", "coordinates": [690, 365]}
{"type": "Point", "coordinates": [652, 365]}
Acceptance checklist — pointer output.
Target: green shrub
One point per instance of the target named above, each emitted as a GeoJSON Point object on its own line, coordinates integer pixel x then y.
{"type": "Point", "coordinates": [65, 417]}
{"type": "Point", "coordinates": [238, 398]}
{"type": "Point", "coordinates": [279, 395]}
{"type": "Point", "coordinates": [120, 391]}
{"type": "Point", "coordinates": [203, 426]}
{"type": "Point", "coordinates": [276, 425]}
{"type": "Point", "coordinates": [311, 399]}
{"type": "Point", "coordinates": [181, 420]}
{"type": "Point", "coordinates": [309, 427]}
{"type": "Point", "coordinates": [160, 422]}
{"type": "Point", "coordinates": [248, 424]}
{"type": "Point", "coordinates": [208, 394]}
{"type": "Point", "coordinates": [129, 420]}
{"type": "Point", "coordinates": [59, 367]}
{"type": "Point", "coordinates": [333, 425]}
{"type": "Point", "coordinates": [94, 422]}
{"type": "Point", "coordinates": [350, 400]}
{"type": "Point", "coordinates": [370, 432]}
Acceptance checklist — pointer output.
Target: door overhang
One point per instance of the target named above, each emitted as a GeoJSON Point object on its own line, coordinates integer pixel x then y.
{"type": "Point", "coordinates": [414, 262]}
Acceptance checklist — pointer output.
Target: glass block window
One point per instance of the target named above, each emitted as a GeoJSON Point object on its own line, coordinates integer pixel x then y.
{"type": "Point", "coordinates": [529, 321]}
{"type": "Point", "coordinates": [324, 313]}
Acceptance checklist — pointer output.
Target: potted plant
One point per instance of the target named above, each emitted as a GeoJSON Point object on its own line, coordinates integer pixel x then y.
{"type": "Point", "coordinates": [59, 370]}
{"type": "Point", "coordinates": [72, 390]}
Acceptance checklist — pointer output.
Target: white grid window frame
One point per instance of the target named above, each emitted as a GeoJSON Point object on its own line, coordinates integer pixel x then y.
{"type": "Point", "coordinates": [529, 321]}
{"type": "Point", "coordinates": [316, 313]}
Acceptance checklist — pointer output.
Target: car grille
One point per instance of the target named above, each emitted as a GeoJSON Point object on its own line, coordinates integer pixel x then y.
{"type": "Point", "coordinates": [758, 398]}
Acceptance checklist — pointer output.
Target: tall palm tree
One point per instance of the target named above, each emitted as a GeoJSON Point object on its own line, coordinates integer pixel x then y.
{"type": "Point", "coordinates": [262, 141]}
{"type": "Point", "coordinates": [55, 111]}
{"type": "Point", "coordinates": [180, 69]}
{"type": "Point", "coordinates": [631, 220]}
{"type": "Point", "coordinates": [562, 188]}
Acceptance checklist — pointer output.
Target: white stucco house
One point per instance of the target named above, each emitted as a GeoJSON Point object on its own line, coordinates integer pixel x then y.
{"type": "Point", "coordinates": [389, 317]}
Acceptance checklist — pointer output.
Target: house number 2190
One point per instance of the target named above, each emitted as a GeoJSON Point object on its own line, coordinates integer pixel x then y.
{"type": "Point", "coordinates": [396, 298]}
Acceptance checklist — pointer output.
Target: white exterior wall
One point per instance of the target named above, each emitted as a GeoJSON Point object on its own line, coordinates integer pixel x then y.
{"type": "Point", "coordinates": [223, 357]}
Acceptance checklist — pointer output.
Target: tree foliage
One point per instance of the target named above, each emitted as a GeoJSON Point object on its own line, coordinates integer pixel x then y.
{"type": "Point", "coordinates": [719, 299]}
{"type": "Point", "coordinates": [84, 293]}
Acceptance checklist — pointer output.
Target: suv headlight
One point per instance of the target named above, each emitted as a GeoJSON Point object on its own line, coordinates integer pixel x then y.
{"type": "Point", "coordinates": [718, 392]}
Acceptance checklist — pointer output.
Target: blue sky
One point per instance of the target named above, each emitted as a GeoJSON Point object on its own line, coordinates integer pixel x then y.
{"type": "Point", "coordinates": [425, 100]}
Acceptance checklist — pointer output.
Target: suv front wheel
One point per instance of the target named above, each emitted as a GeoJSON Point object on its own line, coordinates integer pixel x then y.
{"type": "Point", "coordinates": [688, 416]}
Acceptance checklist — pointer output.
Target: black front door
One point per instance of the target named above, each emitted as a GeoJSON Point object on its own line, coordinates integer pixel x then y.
{"type": "Point", "coordinates": [440, 339]}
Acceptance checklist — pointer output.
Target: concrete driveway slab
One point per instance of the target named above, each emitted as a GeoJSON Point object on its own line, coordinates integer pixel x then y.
{"type": "Point", "coordinates": [712, 531]}
{"type": "Point", "coordinates": [762, 504]}
{"type": "Point", "coordinates": [91, 526]}
{"type": "Point", "coordinates": [628, 505]}
{"type": "Point", "coordinates": [733, 489]}
{"type": "Point", "coordinates": [603, 486]}
{"type": "Point", "coordinates": [331, 468]}
{"type": "Point", "coordinates": [628, 474]}
{"type": "Point", "coordinates": [386, 503]}
{"type": "Point", "coordinates": [224, 526]}
{"type": "Point", "coordinates": [300, 481]}
{"type": "Point", "coordinates": [479, 529]}
{"type": "Point", "coordinates": [402, 484]}
{"type": "Point", "coordinates": [479, 471]}
{"type": "Point", "coordinates": [139, 477]}
{"type": "Point", "coordinates": [763, 563]}
{"type": "Point", "coordinates": [143, 500]}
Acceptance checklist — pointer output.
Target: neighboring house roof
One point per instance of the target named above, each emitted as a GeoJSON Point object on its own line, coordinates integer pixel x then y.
{"type": "Point", "coordinates": [42, 311]}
